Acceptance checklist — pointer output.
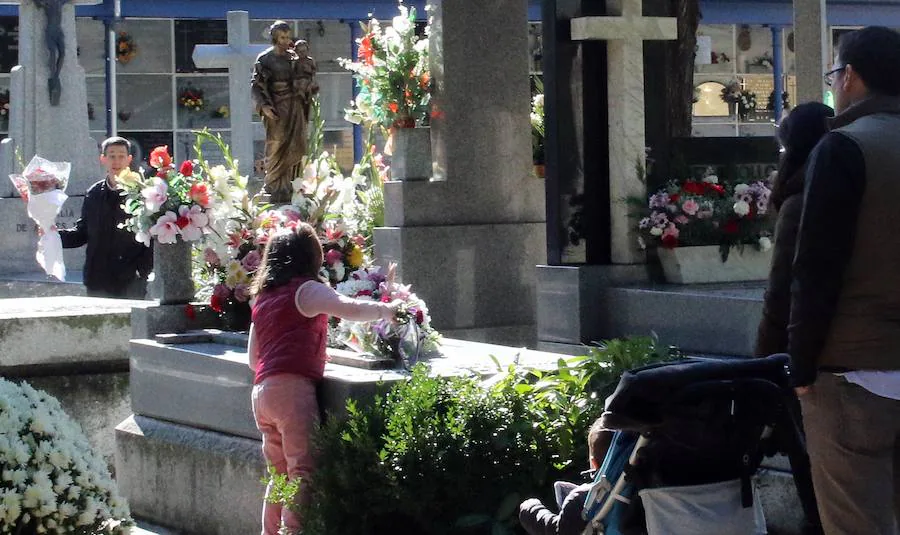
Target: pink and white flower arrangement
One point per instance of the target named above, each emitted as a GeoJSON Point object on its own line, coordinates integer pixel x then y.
{"type": "Point", "coordinates": [412, 336]}
{"type": "Point", "coordinates": [704, 212]}
{"type": "Point", "coordinates": [171, 203]}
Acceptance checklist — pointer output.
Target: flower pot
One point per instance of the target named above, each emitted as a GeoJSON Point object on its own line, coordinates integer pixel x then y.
{"type": "Point", "coordinates": [540, 170]}
{"type": "Point", "coordinates": [172, 278]}
{"type": "Point", "coordinates": [411, 159]}
{"type": "Point", "coordinates": [692, 265]}
{"type": "Point", "coordinates": [235, 316]}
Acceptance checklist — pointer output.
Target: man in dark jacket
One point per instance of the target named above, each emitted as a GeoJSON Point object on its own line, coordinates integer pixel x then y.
{"type": "Point", "coordinates": [115, 264]}
{"type": "Point", "coordinates": [844, 335]}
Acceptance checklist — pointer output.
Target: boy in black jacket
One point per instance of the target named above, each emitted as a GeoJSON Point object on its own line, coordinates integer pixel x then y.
{"type": "Point", "coordinates": [538, 520]}
{"type": "Point", "coordinates": [115, 265]}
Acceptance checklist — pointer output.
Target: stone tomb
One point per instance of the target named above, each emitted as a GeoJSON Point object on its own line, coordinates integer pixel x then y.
{"type": "Point", "coordinates": [190, 457]}
{"type": "Point", "coordinates": [18, 236]}
{"type": "Point", "coordinates": [75, 348]}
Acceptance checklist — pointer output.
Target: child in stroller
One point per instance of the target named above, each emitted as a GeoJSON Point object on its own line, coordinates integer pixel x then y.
{"type": "Point", "coordinates": [538, 520]}
{"type": "Point", "coordinates": [690, 436]}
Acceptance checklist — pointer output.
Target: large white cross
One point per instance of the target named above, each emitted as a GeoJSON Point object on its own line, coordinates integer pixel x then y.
{"type": "Point", "coordinates": [625, 31]}
{"type": "Point", "coordinates": [238, 56]}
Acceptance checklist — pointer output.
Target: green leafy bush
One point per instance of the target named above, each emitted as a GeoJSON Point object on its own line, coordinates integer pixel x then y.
{"type": "Point", "coordinates": [457, 455]}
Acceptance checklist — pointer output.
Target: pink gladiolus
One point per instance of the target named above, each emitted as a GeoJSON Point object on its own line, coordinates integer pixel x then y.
{"type": "Point", "coordinates": [166, 228]}
{"type": "Point", "coordinates": [155, 196]}
{"type": "Point", "coordinates": [197, 221]}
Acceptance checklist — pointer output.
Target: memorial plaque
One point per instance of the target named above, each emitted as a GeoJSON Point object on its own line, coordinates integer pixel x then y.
{"type": "Point", "coordinates": [215, 96]}
{"type": "Point", "coordinates": [184, 148]}
{"type": "Point", "coordinates": [153, 39]}
{"type": "Point", "coordinates": [144, 142]}
{"type": "Point", "coordinates": [91, 45]}
{"type": "Point", "coordinates": [335, 94]}
{"type": "Point", "coordinates": [145, 102]}
{"type": "Point", "coordinates": [721, 54]}
{"type": "Point", "coordinates": [189, 33]}
{"type": "Point", "coordinates": [18, 235]}
{"type": "Point", "coordinates": [9, 43]}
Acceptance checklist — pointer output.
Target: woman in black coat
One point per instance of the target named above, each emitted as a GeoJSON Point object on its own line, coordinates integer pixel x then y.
{"type": "Point", "coordinates": [798, 134]}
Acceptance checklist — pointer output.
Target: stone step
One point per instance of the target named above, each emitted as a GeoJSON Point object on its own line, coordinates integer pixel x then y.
{"type": "Point", "coordinates": [39, 284]}
{"type": "Point", "coordinates": [718, 319]}
{"type": "Point", "coordinates": [145, 528]}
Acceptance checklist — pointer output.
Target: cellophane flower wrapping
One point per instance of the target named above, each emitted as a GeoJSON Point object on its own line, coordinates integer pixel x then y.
{"type": "Point", "coordinates": [42, 185]}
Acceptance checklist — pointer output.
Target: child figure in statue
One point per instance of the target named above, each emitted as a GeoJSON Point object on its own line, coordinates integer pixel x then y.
{"type": "Point", "coordinates": [306, 67]}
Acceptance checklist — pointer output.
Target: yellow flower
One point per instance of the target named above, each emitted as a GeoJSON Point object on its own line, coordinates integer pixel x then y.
{"type": "Point", "coordinates": [355, 257]}
{"type": "Point", "coordinates": [128, 178]}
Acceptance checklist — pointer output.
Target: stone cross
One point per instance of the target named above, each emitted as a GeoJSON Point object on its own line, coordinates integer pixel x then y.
{"type": "Point", "coordinates": [57, 133]}
{"type": "Point", "coordinates": [238, 56]}
{"type": "Point", "coordinates": [625, 31]}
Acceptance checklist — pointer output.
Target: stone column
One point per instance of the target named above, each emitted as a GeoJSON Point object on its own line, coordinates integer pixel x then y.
{"type": "Point", "coordinates": [469, 242]}
{"type": "Point", "coordinates": [810, 49]}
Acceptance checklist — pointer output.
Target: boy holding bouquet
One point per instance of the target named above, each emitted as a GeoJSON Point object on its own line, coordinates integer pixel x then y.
{"type": "Point", "coordinates": [115, 265]}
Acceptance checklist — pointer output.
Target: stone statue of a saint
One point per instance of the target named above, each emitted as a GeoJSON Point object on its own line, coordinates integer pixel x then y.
{"type": "Point", "coordinates": [282, 86]}
{"type": "Point", "coordinates": [56, 45]}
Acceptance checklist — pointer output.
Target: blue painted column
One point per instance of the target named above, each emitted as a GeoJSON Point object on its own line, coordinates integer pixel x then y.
{"type": "Point", "coordinates": [356, 33]}
{"type": "Point", "coordinates": [778, 70]}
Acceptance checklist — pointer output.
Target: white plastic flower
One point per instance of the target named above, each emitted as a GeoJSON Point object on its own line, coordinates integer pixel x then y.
{"type": "Point", "coordinates": [741, 208]}
{"type": "Point", "coordinates": [765, 243]}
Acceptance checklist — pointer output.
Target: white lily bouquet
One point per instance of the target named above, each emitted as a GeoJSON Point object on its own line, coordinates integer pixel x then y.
{"type": "Point", "coordinates": [50, 479]}
{"type": "Point", "coordinates": [42, 185]}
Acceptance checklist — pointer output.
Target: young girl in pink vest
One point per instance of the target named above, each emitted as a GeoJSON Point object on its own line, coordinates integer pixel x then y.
{"type": "Point", "coordinates": [287, 352]}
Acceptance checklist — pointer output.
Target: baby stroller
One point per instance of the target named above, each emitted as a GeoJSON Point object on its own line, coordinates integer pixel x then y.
{"type": "Point", "coordinates": [690, 436]}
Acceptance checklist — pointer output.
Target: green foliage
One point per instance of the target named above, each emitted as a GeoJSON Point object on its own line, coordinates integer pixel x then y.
{"type": "Point", "coordinates": [455, 455]}
{"type": "Point", "coordinates": [284, 490]}
{"type": "Point", "coordinates": [565, 401]}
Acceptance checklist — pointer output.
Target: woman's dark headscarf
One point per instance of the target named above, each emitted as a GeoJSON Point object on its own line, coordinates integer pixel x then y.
{"type": "Point", "coordinates": [798, 133]}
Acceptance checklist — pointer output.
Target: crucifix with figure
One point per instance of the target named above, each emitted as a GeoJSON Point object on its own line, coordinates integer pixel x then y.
{"type": "Point", "coordinates": [624, 29]}
{"type": "Point", "coordinates": [238, 56]}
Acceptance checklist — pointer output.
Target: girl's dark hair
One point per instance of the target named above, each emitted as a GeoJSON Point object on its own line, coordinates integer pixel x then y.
{"type": "Point", "coordinates": [288, 254]}
{"type": "Point", "coordinates": [798, 133]}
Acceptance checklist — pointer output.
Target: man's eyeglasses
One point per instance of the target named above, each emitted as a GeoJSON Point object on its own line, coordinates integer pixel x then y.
{"type": "Point", "coordinates": [829, 76]}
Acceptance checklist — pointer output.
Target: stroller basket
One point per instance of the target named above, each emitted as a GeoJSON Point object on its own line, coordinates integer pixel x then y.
{"type": "Point", "coordinates": [683, 428]}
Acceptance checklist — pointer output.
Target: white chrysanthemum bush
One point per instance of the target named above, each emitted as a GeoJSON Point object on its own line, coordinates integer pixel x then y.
{"type": "Point", "coordinates": [50, 479]}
